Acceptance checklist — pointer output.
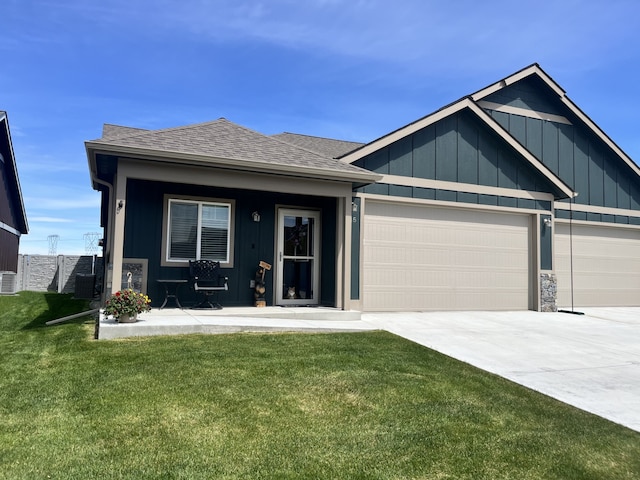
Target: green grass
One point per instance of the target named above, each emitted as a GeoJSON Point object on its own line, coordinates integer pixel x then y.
{"type": "Point", "coordinates": [341, 406]}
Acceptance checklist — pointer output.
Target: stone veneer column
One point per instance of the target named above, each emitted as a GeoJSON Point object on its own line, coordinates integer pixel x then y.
{"type": "Point", "coordinates": [548, 292]}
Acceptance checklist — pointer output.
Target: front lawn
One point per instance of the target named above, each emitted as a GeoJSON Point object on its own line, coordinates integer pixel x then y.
{"type": "Point", "coordinates": [340, 406]}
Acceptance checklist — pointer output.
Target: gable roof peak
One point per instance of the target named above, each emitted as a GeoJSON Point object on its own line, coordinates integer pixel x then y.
{"type": "Point", "coordinates": [533, 69]}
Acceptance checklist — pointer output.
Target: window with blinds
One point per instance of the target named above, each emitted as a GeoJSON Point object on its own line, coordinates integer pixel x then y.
{"type": "Point", "coordinates": [198, 230]}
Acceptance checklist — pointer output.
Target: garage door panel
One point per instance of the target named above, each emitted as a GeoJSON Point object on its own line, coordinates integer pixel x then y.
{"type": "Point", "coordinates": [426, 258]}
{"type": "Point", "coordinates": [606, 265]}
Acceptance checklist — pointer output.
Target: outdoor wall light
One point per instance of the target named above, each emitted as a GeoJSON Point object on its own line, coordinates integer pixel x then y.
{"type": "Point", "coordinates": [255, 216]}
{"type": "Point", "coordinates": [547, 222]}
{"type": "Point", "coordinates": [120, 205]}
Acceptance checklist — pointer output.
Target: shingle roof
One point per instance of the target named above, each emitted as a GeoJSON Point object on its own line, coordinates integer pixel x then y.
{"type": "Point", "coordinates": [222, 139]}
{"type": "Point", "coordinates": [324, 146]}
{"type": "Point", "coordinates": [110, 131]}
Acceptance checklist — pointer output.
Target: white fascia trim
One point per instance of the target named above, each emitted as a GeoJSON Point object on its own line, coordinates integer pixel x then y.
{"type": "Point", "coordinates": [465, 187]}
{"type": "Point", "coordinates": [442, 203]}
{"type": "Point", "coordinates": [586, 223]}
{"type": "Point", "coordinates": [10, 229]}
{"type": "Point", "coordinates": [233, 164]}
{"type": "Point", "coordinates": [535, 69]}
{"type": "Point", "coordinates": [600, 134]}
{"type": "Point", "coordinates": [516, 77]}
{"type": "Point", "coordinates": [405, 131]}
{"type": "Point", "coordinates": [576, 207]}
{"type": "Point", "coordinates": [537, 164]}
{"type": "Point", "coordinates": [523, 112]}
{"type": "Point", "coordinates": [454, 108]}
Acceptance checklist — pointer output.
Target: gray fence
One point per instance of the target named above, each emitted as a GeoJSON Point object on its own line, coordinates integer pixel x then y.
{"type": "Point", "coordinates": [55, 273]}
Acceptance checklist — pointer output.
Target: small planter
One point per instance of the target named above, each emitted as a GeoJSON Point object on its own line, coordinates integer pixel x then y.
{"type": "Point", "coordinates": [125, 305]}
{"type": "Point", "coordinates": [126, 318]}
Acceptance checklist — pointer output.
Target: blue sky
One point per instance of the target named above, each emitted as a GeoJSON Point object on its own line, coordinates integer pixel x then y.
{"type": "Point", "coordinates": [348, 69]}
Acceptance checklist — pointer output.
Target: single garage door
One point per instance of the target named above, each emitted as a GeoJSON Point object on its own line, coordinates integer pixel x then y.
{"type": "Point", "coordinates": [425, 258]}
{"type": "Point", "coordinates": [606, 266]}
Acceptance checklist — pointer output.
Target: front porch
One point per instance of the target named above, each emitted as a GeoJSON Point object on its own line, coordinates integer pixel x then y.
{"type": "Point", "coordinates": [175, 321]}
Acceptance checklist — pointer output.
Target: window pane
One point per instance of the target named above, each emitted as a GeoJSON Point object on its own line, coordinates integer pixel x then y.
{"type": "Point", "coordinates": [215, 232]}
{"type": "Point", "coordinates": [297, 279]}
{"type": "Point", "coordinates": [183, 230]}
{"type": "Point", "coordinates": [296, 236]}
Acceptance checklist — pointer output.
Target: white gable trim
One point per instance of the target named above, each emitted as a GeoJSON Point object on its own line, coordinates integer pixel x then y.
{"type": "Point", "coordinates": [465, 187]}
{"type": "Point", "coordinates": [450, 110]}
{"type": "Point", "coordinates": [405, 131]}
{"type": "Point", "coordinates": [537, 164]}
{"type": "Point", "coordinates": [516, 77]}
{"type": "Point", "coordinates": [536, 70]}
{"type": "Point", "coordinates": [524, 112]}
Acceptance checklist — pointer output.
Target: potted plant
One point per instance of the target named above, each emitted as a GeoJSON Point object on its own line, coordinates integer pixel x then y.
{"type": "Point", "coordinates": [125, 305]}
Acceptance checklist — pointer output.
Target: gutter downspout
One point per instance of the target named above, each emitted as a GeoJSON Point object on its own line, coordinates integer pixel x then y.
{"type": "Point", "coordinates": [109, 240]}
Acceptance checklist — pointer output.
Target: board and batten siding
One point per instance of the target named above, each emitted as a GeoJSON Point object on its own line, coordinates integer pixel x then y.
{"type": "Point", "coordinates": [569, 150]}
{"type": "Point", "coordinates": [458, 148]}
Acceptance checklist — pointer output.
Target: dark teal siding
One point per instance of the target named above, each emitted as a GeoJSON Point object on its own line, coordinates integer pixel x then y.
{"type": "Point", "coordinates": [447, 149]}
{"type": "Point", "coordinates": [530, 93]}
{"type": "Point", "coordinates": [461, 149]}
{"type": "Point", "coordinates": [507, 170]}
{"type": "Point", "coordinates": [467, 151]}
{"type": "Point", "coordinates": [565, 153]}
{"type": "Point", "coordinates": [424, 153]}
{"type": "Point", "coordinates": [550, 146]}
{"type": "Point", "coordinates": [487, 161]}
{"type": "Point", "coordinates": [596, 177]}
{"type": "Point", "coordinates": [355, 248]}
{"type": "Point", "coordinates": [254, 241]}
{"type": "Point", "coordinates": [400, 154]}
{"type": "Point", "coordinates": [573, 152]}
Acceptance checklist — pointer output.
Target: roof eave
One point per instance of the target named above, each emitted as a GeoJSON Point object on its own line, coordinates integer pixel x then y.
{"type": "Point", "coordinates": [14, 171]}
{"type": "Point", "coordinates": [94, 148]}
{"type": "Point", "coordinates": [535, 69]}
{"type": "Point", "coordinates": [404, 131]}
{"type": "Point", "coordinates": [466, 102]}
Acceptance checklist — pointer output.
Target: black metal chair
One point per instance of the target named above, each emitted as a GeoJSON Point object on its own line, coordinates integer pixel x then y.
{"type": "Point", "coordinates": [206, 278]}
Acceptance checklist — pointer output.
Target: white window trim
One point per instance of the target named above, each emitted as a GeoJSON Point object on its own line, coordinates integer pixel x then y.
{"type": "Point", "coordinates": [166, 262]}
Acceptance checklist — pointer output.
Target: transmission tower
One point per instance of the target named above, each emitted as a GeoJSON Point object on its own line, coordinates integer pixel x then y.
{"type": "Point", "coordinates": [53, 244]}
{"type": "Point", "coordinates": [91, 243]}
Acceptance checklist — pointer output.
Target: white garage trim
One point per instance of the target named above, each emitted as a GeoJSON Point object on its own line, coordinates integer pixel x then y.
{"type": "Point", "coordinates": [422, 257]}
{"type": "Point", "coordinates": [606, 265]}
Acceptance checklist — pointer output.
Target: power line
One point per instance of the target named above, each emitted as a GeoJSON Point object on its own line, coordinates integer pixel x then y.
{"type": "Point", "coordinates": [91, 240]}
{"type": "Point", "coordinates": [53, 244]}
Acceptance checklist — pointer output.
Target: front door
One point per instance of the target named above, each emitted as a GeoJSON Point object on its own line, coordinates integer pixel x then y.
{"type": "Point", "coordinates": [298, 257]}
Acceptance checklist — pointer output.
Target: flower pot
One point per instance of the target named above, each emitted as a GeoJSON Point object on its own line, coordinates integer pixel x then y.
{"type": "Point", "coordinates": [126, 318]}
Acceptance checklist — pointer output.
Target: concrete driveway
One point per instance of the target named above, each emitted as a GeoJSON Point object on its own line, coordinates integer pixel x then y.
{"type": "Point", "coordinates": [591, 361]}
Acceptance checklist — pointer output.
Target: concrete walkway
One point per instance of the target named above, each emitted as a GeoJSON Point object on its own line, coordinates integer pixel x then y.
{"type": "Point", "coordinates": [591, 361]}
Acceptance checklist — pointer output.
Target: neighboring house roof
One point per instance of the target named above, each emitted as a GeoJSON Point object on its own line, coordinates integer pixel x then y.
{"type": "Point", "coordinates": [224, 144]}
{"type": "Point", "coordinates": [14, 190]}
{"type": "Point", "coordinates": [324, 146]}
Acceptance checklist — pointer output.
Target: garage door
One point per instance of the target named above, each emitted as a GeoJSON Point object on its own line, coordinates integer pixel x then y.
{"type": "Point", "coordinates": [606, 266]}
{"type": "Point", "coordinates": [425, 258]}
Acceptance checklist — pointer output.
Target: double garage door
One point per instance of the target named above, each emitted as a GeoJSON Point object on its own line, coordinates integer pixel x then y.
{"type": "Point", "coordinates": [427, 258]}
{"type": "Point", "coordinates": [606, 266]}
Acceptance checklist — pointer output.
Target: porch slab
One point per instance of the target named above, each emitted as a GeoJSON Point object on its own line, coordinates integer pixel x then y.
{"type": "Point", "coordinates": [175, 321]}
